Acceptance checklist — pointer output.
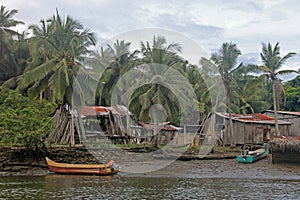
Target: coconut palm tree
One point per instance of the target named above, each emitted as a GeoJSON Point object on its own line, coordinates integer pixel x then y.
{"type": "Point", "coordinates": [6, 33]}
{"type": "Point", "coordinates": [249, 89]}
{"type": "Point", "coordinates": [12, 52]}
{"type": "Point", "coordinates": [12, 65]}
{"type": "Point", "coordinates": [272, 62]}
{"type": "Point", "coordinates": [59, 47]}
{"type": "Point", "coordinates": [116, 60]}
{"type": "Point", "coordinates": [156, 59]}
{"type": "Point", "coordinates": [226, 61]}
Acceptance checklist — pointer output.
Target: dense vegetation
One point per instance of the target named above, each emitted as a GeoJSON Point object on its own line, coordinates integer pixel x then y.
{"type": "Point", "coordinates": [42, 70]}
{"type": "Point", "coordinates": [23, 119]}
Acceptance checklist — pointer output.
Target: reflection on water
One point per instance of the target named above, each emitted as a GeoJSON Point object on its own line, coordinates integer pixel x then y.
{"type": "Point", "coordinates": [118, 187]}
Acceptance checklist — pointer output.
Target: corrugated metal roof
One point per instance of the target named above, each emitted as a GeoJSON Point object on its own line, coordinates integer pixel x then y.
{"type": "Point", "coordinates": [94, 110]}
{"type": "Point", "coordinates": [166, 127]}
{"type": "Point", "coordinates": [104, 110]}
{"type": "Point", "coordinates": [284, 112]}
{"type": "Point", "coordinates": [253, 118]}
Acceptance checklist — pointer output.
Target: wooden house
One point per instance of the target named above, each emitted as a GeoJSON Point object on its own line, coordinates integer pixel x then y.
{"type": "Point", "coordinates": [293, 117]}
{"type": "Point", "coordinates": [115, 123]}
{"type": "Point", "coordinates": [106, 122]}
{"type": "Point", "coordinates": [250, 128]}
{"type": "Point", "coordinates": [145, 132]}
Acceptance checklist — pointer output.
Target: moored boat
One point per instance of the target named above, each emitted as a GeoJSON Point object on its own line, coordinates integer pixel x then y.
{"type": "Point", "coordinates": [91, 169]}
{"type": "Point", "coordinates": [252, 156]}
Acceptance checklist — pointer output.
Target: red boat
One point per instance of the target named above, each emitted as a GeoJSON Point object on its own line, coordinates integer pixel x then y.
{"type": "Point", "coordinates": [91, 169]}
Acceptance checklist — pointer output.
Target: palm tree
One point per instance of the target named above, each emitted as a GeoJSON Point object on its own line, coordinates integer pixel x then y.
{"type": "Point", "coordinates": [226, 61]}
{"type": "Point", "coordinates": [247, 96]}
{"type": "Point", "coordinates": [6, 33]}
{"type": "Point", "coordinates": [272, 62]}
{"type": "Point", "coordinates": [116, 60]}
{"type": "Point", "coordinates": [156, 81]}
{"type": "Point", "coordinates": [12, 65]}
{"type": "Point", "coordinates": [157, 58]}
{"type": "Point", "coordinates": [58, 47]}
{"type": "Point", "coordinates": [10, 49]}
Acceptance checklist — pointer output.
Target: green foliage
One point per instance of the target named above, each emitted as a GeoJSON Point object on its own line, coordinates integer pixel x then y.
{"type": "Point", "coordinates": [22, 118]}
{"type": "Point", "coordinates": [58, 48]}
{"type": "Point", "coordinates": [292, 89]}
{"type": "Point", "coordinates": [47, 63]}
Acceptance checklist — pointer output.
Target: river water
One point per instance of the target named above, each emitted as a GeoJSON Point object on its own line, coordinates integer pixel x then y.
{"type": "Point", "coordinates": [54, 186]}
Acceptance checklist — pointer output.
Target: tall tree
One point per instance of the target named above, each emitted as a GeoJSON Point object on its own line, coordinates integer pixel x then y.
{"type": "Point", "coordinates": [248, 94]}
{"type": "Point", "coordinates": [116, 60]}
{"type": "Point", "coordinates": [292, 89]}
{"type": "Point", "coordinates": [59, 47]}
{"type": "Point", "coordinates": [14, 63]}
{"type": "Point", "coordinates": [157, 58]}
{"type": "Point", "coordinates": [6, 24]}
{"type": "Point", "coordinates": [226, 61]}
{"type": "Point", "coordinates": [272, 62]}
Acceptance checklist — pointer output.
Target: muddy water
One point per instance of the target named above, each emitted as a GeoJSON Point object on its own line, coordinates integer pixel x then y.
{"type": "Point", "coordinates": [125, 187]}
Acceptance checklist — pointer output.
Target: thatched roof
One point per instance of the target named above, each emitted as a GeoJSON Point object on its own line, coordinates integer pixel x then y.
{"type": "Point", "coordinates": [285, 144]}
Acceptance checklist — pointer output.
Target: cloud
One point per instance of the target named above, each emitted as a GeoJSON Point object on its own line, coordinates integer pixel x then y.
{"type": "Point", "coordinates": [209, 23]}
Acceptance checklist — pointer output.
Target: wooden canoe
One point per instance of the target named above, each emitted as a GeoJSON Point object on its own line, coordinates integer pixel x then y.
{"type": "Point", "coordinates": [91, 169]}
{"type": "Point", "coordinates": [253, 156]}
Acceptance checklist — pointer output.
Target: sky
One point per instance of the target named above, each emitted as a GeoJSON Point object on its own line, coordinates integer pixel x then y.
{"type": "Point", "coordinates": [198, 25]}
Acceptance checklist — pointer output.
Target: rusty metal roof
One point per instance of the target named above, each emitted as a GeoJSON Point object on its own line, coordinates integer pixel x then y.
{"type": "Point", "coordinates": [163, 126]}
{"type": "Point", "coordinates": [94, 110]}
{"type": "Point", "coordinates": [253, 118]}
{"type": "Point", "coordinates": [284, 112]}
{"type": "Point", "coordinates": [104, 110]}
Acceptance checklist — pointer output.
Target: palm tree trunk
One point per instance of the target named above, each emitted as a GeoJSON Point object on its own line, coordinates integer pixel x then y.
{"type": "Point", "coordinates": [232, 135]}
{"type": "Point", "coordinates": [275, 106]}
{"type": "Point", "coordinates": [156, 131]}
{"type": "Point", "coordinates": [228, 99]}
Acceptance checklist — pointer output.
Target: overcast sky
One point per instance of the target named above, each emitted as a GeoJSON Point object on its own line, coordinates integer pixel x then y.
{"type": "Point", "coordinates": [207, 23]}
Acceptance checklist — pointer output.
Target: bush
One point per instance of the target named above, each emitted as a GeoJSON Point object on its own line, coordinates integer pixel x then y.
{"type": "Point", "coordinates": [22, 118]}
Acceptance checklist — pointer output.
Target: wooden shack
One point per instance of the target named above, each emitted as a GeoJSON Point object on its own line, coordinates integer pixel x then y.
{"type": "Point", "coordinates": [115, 123]}
{"type": "Point", "coordinates": [293, 117]}
{"type": "Point", "coordinates": [250, 128]}
{"type": "Point", "coordinates": [166, 132]}
{"type": "Point", "coordinates": [102, 122]}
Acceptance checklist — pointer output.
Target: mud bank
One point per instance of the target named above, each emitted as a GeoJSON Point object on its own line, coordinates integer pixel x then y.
{"type": "Point", "coordinates": [18, 162]}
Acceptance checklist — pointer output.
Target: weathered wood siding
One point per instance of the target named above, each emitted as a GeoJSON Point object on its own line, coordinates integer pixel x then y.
{"type": "Point", "coordinates": [295, 119]}
{"type": "Point", "coordinates": [250, 132]}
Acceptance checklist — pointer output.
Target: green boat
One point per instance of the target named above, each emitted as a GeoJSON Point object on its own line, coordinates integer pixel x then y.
{"type": "Point", "coordinates": [252, 156]}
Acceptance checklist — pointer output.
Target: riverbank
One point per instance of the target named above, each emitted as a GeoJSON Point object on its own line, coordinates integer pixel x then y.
{"type": "Point", "coordinates": [17, 162]}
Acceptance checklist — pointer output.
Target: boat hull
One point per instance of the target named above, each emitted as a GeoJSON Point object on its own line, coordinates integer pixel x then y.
{"type": "Point", "coordinates": [251, 159]}
{"type": "Point", "coordinates": [85, 169]}
{"type": "Point", "coordinates": [254, 155]}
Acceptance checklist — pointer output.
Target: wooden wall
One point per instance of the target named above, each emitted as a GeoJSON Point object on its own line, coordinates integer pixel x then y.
{"type": "Point", "coordinates": [290, 118]}
{"type": "Point", "coordinates": [251, 132]}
